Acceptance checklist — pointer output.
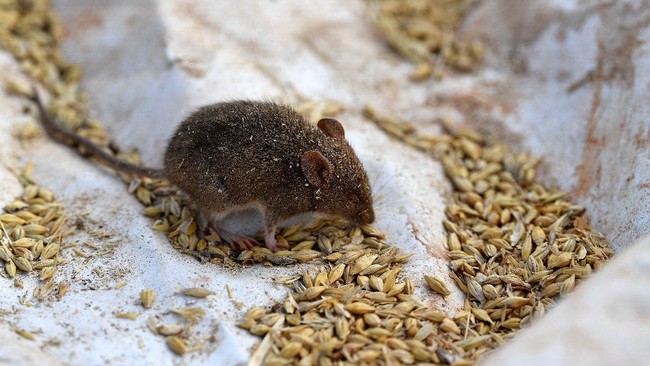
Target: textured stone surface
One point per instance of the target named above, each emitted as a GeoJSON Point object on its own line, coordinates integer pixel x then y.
{"type": "Point", "coordinates": [573, 88]}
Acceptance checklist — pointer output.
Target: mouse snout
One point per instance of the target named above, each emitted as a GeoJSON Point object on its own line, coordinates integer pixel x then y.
{"type": "Point", "coordinates": [366, 217]}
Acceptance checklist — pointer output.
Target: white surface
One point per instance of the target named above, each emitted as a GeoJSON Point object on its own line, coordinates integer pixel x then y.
{"type": "Point", "coordinates": [148, 63]}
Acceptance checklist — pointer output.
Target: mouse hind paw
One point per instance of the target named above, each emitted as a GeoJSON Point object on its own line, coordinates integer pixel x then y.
{"type": "Point", "coordinates": [236, 241]}
{"type": "Point", "coordinates": [243, 243]}
{"type": "Point", "coordinates": [271, 242]}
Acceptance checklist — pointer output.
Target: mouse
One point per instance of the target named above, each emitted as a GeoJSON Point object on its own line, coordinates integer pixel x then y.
{"type": "Point", "coordinates": [251, 154]}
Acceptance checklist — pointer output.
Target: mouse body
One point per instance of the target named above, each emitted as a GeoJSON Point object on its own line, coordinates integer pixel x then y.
{"type": "Point", "coordinates": [241, 154]}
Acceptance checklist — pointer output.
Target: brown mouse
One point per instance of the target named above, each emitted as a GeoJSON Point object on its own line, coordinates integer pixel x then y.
{"type": "Point", "coordinates": [239, 154]}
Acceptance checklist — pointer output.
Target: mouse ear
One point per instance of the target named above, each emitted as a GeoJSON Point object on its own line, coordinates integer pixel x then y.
{"type": "Point", "coordinates": [317, 169]}
{"type": "Point", "coordinates": [331, 128]}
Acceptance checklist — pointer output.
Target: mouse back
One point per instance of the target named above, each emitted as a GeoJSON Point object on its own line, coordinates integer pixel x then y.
{"type": "Point", "coordinates": [240, 153]}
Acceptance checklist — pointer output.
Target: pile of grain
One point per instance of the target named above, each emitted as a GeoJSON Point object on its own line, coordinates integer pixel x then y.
{"type": "Point", "coordinates": [33, 231]}
{"type": "Point", "coordinates": [425, 33]}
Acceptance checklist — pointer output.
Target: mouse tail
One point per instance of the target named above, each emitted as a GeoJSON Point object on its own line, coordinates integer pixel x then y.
{"type": "Point", "coordinates": [60, 134]}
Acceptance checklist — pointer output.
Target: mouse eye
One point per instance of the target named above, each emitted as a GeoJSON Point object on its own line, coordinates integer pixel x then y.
{"type": "Point", "coordinates": [356, 199]}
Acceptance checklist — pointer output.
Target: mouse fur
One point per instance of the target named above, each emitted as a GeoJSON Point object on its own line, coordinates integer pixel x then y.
{"type": "Point", "coordinates": [239, 154]}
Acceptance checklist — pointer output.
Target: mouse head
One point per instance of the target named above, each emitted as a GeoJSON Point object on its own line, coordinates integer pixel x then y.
{"type": "Point", "coordinates": [341, 183]}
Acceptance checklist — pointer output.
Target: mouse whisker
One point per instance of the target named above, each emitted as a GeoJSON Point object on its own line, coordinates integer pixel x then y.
{"type": "Point", "coordinates": [379, 192]}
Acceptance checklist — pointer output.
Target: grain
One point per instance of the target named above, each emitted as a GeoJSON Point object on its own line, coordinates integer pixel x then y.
{"type": "Point", "coordinates": [63, 288]}
{"type": "Point", "coordinates": [177, 345]}
{"type": "Point", "coordinates": [129, 316]}
{"type": "Point", "coordinates": [198, 292]}
{"type": "Point", "coordinates": [191, 314]}
{"type": "Point", "coordinates": [25, 334]}
{"type": "Point", "coordinates": [147, 297]}
{"type": "Point", "coordinates": [359, 308]}
{"type": "Point", "coordinates": [22, 264]}
{"type": "Point", "coordinates": [166, 329]}
{"type": "Point", "coordinates": [436, 285]}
